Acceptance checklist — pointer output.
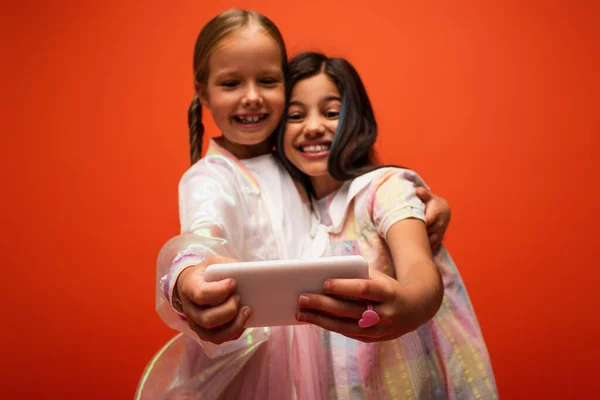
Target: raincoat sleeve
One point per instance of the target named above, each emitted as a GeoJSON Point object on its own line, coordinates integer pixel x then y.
{"type": "Point", "coordinates": [214, 214]}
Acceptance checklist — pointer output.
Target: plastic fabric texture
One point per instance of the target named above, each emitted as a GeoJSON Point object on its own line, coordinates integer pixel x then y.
{"type": "Point", "coordinates": [223, 212]}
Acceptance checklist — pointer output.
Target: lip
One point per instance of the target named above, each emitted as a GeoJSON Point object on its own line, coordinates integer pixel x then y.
{"type": "Point", "coordinates": [314, 156]}
{"type": "Point", "coordinates": [315, 142]}
{"type": "Point", "coordinates": [250, 114]}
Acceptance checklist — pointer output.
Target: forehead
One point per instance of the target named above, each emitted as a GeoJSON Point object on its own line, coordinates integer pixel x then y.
{"type": "Point", "coordinates": [248, 50]}
{"type": "Point", "coordinates": [314, 89]}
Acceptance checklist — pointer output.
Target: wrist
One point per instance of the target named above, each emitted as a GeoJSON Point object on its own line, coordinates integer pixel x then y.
{"type": "Point", "coordinates": [170, 283]}
{"type": "Point", "coordinates": [176, 297]}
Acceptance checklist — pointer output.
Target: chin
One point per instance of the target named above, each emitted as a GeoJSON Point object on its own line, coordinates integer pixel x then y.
{"type": "Point", "coordinates": [315, 172]}
{"type": "Point", "coordinates": [252, 140]}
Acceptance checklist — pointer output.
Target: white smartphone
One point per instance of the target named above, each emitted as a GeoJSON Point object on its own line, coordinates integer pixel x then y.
{"type": "Point", "coordinates": [271, 288]}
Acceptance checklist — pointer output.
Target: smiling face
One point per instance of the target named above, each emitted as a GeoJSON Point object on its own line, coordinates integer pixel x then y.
{"type": "Point", "coordinates": [312, 121]}
{"type": "Point", "coordinates": [330, 128]}
{"type": "Point", "coordinates": [245, 88]}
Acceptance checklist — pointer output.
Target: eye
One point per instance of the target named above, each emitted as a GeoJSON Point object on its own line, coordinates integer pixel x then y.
{"type": "Point", "coordinates": [230, 83]}
{"type": "Point", "coordinates": [332, 114]}
{"type": "Point", "coordinates": [269, 81]}
{"type": "Point", "coordinates": [295, 117]}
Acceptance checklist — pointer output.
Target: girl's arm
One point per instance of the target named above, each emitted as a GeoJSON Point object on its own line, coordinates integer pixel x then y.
{"type": "Point", "coordinates": [403, 303]}
{"type": "Point", "coordinates": [209, 206]}
{"type": "Point", "coordinates": [420, 290]}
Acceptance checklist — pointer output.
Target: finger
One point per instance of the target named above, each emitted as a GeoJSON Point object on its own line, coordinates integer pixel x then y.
{"type": "Point", "coordinates": [227, 332]}
{"type": "Point", "coordinates": [333, 306]}
{"type": "Point", "coordinates": [208, 293]}
{"type": "Point", "coordinates": [440, 224]}
{"type": "Point", "coordinates": [424, 194]}
{"type": "Point", "coordinates": [435, 247]}
{"type": "Point", "coordinates": [340, 325]}
{"type": "Point", "coordinates": [367, 339]}
{"type": "Point", "coordinates": [432, 216]}
{"type": "Point", "coordinates": [364, 339]}
{"type": "Point", "coordinates": [433, 238]}
{"type": "Point", "coordinates": [369, 289]}
{"type": "Point", "coordinates": [213, 317]}
{"type": "Point", "coordinates": [410, 176]}
{"type": "Point", "coordinates": [437, 227]}
{"type": "Point", "coordinates": [199, 269]}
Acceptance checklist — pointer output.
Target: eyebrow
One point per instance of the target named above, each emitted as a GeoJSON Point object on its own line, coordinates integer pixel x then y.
{"type": "Point", "coordinates": [232, 71]}
{"type": "Point", "coordinates": [328, 98]}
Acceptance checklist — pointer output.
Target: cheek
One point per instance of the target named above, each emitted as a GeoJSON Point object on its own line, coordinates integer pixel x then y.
{"type": "Point", "coordinates": [288, 147]}
{"type": "Point", "coordinates": [277, 108]}
{"type": "Point", "coordinates": [221, 105]}
{"type": "Point", "coordinates": [275, 95]}
{"type": "Point", "coordinates": [332, 126]}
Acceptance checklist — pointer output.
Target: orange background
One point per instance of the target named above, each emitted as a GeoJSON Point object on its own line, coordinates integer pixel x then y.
{"type": "Point", "coordinates": [495, 105]}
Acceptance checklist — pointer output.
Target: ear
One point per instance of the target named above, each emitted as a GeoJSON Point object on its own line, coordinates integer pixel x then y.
{"type": "Point", "coordinates": [202, 94]}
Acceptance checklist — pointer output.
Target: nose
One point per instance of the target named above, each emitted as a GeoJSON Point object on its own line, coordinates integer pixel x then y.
{"type": "Point", "coordinates": [252, 96]}
{"type": "Point", "coordinates": [314, 127]}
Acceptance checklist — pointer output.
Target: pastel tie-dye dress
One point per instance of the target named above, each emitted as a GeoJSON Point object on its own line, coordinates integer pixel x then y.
{"type": "Point", "coordinates": [446, 358]}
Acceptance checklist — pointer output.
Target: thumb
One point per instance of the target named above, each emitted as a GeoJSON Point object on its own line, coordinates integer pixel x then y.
{"type": "Point", "coordinates": [200, 269]}
{"type": "Point", "coordinates": [217, 259]}
{"type": "Point", "coordinates": [375, 274]}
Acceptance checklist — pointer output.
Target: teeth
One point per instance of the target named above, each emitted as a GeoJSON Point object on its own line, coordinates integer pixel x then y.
{"type": "Point", "coordinates": [315, 149]}
{"type": "Point", "coordinates": [250, 119]}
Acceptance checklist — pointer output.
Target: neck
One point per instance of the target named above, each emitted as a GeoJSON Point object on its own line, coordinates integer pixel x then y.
{"type": "Point", "coordinates": [324, 185]}
{"type": "Point", "coordinates": [243, 151]}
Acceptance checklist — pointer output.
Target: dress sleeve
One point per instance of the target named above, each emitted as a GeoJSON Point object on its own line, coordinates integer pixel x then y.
{"type": "Point", "coordinates": [393, 198]}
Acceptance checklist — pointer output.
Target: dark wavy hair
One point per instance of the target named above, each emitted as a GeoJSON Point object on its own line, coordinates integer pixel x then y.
{"type": "Point", "coordinates": [351, 153]}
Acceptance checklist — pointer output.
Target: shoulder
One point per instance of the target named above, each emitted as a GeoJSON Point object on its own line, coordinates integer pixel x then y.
{"type": "Point", "coordinates": [211, 169]}
{"type": "Point", "coordinates": [213, 181]}
{"type": "Point", "coordinates": [390, 173]}
{"type": "Point", "coordinates": [392, 195]}
{"type": "Point", "coordinates": [369, 184]}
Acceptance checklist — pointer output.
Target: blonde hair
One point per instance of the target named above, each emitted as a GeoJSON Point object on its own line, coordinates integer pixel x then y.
{"type": "Point", "coordinates": [210, 36]}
